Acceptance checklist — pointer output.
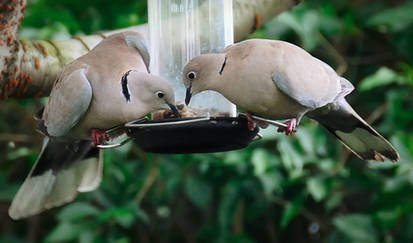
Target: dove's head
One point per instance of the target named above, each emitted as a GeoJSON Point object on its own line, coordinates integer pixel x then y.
{"type": "Point", "coordinates": [202, 72]}
{"type": "Point", "coordinates": [148, 93]}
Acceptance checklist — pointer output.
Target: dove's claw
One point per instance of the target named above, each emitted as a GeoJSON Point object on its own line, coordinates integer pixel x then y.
{"type": "Point", "coordinates": [99, 136]}
{"type": "Point", "coordinates": [290, 129]}
{"type": "Point", "coordinates": [251, 123]}
{"type": "Point", "coordinates": [291, 124]}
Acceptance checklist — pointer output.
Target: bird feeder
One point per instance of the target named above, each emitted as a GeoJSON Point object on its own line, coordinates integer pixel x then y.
{"type": "Point", "coordinates": [179, 31]}
{"type": "Point", "coordinates": [183, 29]}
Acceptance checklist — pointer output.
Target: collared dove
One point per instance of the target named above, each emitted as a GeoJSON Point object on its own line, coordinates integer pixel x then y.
{"type": "Point", "coordinates": [108, 86]}
{"type": "Point", "coordinates": [278, 80]}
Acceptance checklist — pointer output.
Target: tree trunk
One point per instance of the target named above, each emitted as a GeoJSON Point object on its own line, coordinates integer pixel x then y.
{"type": "Point", "coordinates": [29, 67]}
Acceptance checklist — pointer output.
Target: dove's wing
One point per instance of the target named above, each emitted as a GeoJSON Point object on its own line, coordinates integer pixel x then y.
{"type": "Point", "coordinates": [69, 100]}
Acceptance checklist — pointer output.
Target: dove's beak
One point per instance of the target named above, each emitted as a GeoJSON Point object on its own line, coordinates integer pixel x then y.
{"type": "Point", "coordinates": [188, 94]}
{"type": "Point", "coordinates": [174, 110]}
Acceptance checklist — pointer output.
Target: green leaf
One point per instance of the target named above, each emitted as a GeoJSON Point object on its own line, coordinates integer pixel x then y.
{"type": "Point", "coordinates": [382, 166]}
{"type": "Point", "coordinates": [268, 134]}
{"type": "Point", "coordinates": [198, 191]}
{"type": "Point", "coordinates": [291, 159]}
{"type": "Point", "coordinates": [65, 231]}
{"type": "Point", "coordinates": [396, 183]}
{"type": "Point", "coordinates": [388, 218]}
{"type": "Point", "coordinates": [233, 158]}
{"type": "Point", "coordinates": [306, 26]}
{"type": "Point", "coordinates": [122, 216]}
{"type": "Point", "coordinates": [395, 19]}
{"type": "Point", "coordinates": [259, 159]}
{"type": "Point", "coordinates": [271, 182]}
{"type": "Point", "coordinates": [127, 20]}
{"type": "Point", "coordinates": [318, 188]}
{"type": "Point", "coordinates": [399, 104]}
{"type": "Point", "coordinates": [87, 237]}
{"type": "Point", "coordinates": [326, 165]}
{"type": "Point", "coordinates": [76, 211]}
{"type": "Point", "coordinates": [357, 227]}
{"type": "Point", "coordinates": [333, 201]}
{"type": "Point", "coordinates": [173, 184]}
{"type": "Point", "coordinates": [292, 209]}
{"type": "Point", "coordinates": [307, 140]}
{"type": "Point", "coordinates": [138, 211]}
{"type": "Point", "coordinates": [383, 76]}
{"type": "Point", "coordinates": [18, 153]}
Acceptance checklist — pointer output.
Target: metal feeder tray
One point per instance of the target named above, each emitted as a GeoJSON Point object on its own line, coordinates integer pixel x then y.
{"type": "Point", "coordinates": [191, 135]}
{"type": "Point", "coordinates": [188, 135]}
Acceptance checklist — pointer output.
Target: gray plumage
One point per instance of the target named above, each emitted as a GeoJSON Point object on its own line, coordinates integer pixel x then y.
{"type": "Point", "coordinates": [107, 87]}
{"type": "Point", "coordinates": [278, 80]}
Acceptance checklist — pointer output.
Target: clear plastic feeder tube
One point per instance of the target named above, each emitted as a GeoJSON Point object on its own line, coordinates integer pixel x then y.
{"type": "Point", "coordinates": [183, 29]}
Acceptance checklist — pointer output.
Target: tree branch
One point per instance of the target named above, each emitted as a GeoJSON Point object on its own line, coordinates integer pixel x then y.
{"type": "Point", "coordinates": [11, 15]}
{"type": "Point", "coordinates": [29, 67]}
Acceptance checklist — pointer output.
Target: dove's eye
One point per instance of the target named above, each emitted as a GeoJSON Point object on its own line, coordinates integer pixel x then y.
{"type": "Point", "coordinates": [191, 75]}
{"type": "Point", "coordinates": [160, 94]}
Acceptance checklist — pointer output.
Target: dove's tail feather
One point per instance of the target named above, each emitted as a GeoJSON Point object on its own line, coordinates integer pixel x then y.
{"type": "Point", "coordinates": [61, 171]}
{"type": "Point", "coordinates": [355, 133]}
{"type": "Point", "coordinates": [366, 143]}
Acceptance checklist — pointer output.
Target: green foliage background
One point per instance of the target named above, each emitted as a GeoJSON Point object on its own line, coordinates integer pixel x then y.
{"type": "Point", "coordinates": [304, 188]}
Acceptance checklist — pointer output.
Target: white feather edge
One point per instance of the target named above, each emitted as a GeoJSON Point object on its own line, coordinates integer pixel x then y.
{"type": "Point", "coordinates": [91, 181]}
{"type": "Point", "coordinates": [46, 191]}
{"type": "Point", "coordinates": [360, 141]}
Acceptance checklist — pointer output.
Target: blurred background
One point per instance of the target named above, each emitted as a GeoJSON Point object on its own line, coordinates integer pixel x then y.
{"type": "Point", "coordinates": [304, 188]}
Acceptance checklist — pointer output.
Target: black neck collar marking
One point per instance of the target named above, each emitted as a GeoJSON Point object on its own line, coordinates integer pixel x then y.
{"type": "Point", "coordinates": [223, 66]}
{"type": "Point", "coordinates": [125, 89]}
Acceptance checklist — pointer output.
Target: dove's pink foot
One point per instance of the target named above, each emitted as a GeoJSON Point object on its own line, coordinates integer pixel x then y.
{"type": "Point", "coordinates": [99, 136]}
{"type": "Point", "coordinates": [290, 129]}
{"type": "Point", "coordinates": [251, 123]}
